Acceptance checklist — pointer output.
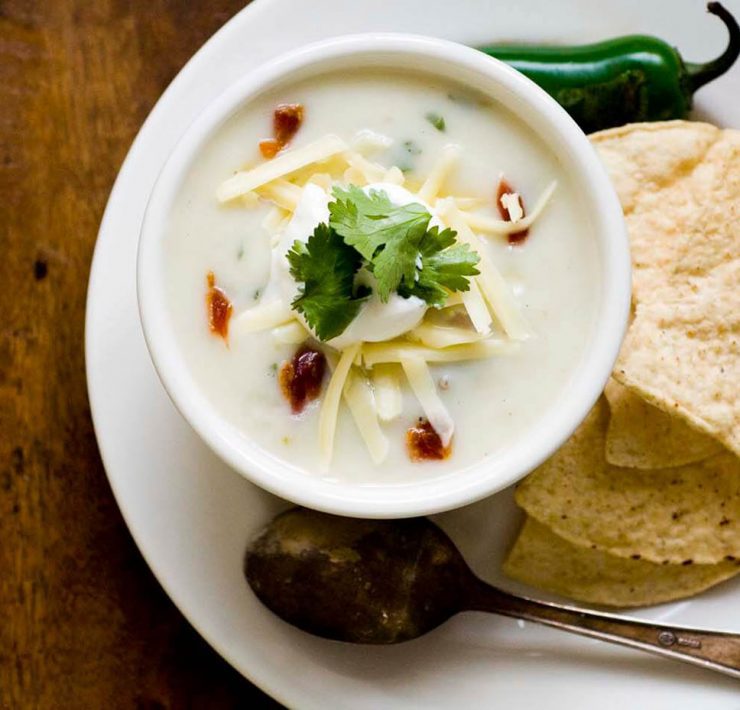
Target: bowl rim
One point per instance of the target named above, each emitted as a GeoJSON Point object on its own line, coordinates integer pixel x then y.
{"type": "Point", "coordinates": [431, 494]}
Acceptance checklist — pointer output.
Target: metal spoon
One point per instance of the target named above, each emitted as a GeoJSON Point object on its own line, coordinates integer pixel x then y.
{"type": "Point", "coordinates": [387, 581]}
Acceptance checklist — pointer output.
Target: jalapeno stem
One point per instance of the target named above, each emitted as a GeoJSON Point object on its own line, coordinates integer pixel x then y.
{"type": "Point", "coordinates": [700, 74]}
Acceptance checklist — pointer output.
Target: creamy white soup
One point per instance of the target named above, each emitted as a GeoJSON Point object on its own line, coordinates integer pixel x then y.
{"type": "Point", "coordinates": [377, 277]}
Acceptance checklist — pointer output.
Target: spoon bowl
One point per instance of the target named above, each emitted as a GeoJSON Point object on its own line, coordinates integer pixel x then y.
{"type": "Point", "coordinates": [362, 581]}
{"type": "Point", "coordinates": [388, 581]}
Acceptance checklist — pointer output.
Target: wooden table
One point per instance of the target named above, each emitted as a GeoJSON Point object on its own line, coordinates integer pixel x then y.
{"type": "Point", "coordinates": [83, 623]}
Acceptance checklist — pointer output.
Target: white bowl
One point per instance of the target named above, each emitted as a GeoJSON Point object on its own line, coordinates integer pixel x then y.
{"type": "Point", "coordinates": [460, 64]}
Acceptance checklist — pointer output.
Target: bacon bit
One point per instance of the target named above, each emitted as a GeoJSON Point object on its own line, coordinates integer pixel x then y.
{"type": "Point", "coordinates": [300, 378]}
{"type": "Point", "coordinates": [504, 188]}
{"type": "Point", "coordinates": [423, 443]}
{"type": "Point", "coordinates": [286, 120]}
{"type": "Point", "coordinates": [219, 308]}
{"type": "Point", "coordinates": [269, 148]}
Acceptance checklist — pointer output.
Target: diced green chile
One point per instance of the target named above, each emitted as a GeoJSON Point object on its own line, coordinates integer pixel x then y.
{"type": "Point", "coordinates": [436, 120]}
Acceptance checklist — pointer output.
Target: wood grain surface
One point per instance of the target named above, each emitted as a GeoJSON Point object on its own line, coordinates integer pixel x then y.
{"type": "Point", "coordinates": [83, 624]}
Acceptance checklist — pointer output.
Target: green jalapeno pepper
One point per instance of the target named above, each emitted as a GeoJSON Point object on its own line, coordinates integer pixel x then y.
{"type": "Point", "coordinates": [622, 80]}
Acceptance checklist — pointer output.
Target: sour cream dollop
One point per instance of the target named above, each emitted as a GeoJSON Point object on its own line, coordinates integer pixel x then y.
{"type": "Point", "coordinates": [376, 321]}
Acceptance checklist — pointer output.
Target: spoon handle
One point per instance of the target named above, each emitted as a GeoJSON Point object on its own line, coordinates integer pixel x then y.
{"type": "Point", "coordinates": [715, 650]}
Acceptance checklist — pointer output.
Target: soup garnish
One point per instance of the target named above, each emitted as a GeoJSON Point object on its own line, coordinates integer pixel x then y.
{"type": "Point", "coordinates": [286, 120]}
{"type": "Point", "coordinates": [423, 443]}
{"type": "Point", "coordinates": [219, 308]}
{"type": "Point", "coordinates": [378, 277]}
{"type": "Point", "coordinates": [301, 377]}
{"type": "Point", "coordinates": [511, 208]}
{"type": "Point", "coordinates": [436, 120]}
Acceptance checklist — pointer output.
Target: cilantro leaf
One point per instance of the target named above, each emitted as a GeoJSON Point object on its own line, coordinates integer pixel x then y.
{"type": "Point", "coordinates": [326, 267]}
{"type": "Point", "coordinates": [388, 236]}
{"type": "Point", "coordinates": [394, 242]}
{"type": "Point", "coordinates": [445, 266]}
{"type": "Point", "coordinates": [435, 241]}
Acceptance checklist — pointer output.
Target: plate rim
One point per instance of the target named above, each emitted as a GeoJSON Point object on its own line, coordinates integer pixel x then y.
{"type": "Point", "coordinates": [262, 678]}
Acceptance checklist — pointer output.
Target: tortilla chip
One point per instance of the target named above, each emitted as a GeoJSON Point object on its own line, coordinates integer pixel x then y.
{"type": "Point", "coordinates": [684, 358]}
{"type": "Point", "coordinates": [687, 514]}
{"type": "Point", "coordinates": [542, 559]}
{"type": "Point", "coordinates": [679, 183]}
{"type": "Point", "coordinates": [642, 436]}
{"type": "Point", "coordinates": [630, 156]}
{"type": "Point", "coordinates": [675, 182]}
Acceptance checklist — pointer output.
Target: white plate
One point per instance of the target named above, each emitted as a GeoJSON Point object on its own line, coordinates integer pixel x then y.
{"type": "Point", "coordinates": [191, 516]}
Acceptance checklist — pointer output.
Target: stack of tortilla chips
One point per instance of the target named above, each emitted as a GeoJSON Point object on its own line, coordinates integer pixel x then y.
{"type": "Point", "coordinates": [642, 504]}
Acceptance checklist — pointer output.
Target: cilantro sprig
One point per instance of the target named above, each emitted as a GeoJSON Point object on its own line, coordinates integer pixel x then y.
{"type": "Point", "coordinates": [445, 266]}
{"type": "Point", "coordinates": [326, 266]}
{"type": "Point", "coordinates": [394, 242]}
{"type": "Point", "coordinates": [388, 236]}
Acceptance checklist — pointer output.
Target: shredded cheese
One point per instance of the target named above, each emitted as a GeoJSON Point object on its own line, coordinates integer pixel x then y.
{"type": "Point", "coordinates": [425, 390]}
{"type": "Point", "coordinates": [323, 180]}
{"type": "Point", "coordinates": [512, 203]}
{"type": "Point", "coordinates": [285, 164]}
{"type": "Point", "coordinates": [480, 223]}
{"type": "Point", "coordinates": [333, 166]}
{"type": "Point", "coordinates": [291, 333]}
{"type": "Point", "coordinates": [492, 284]}
{"type": "Point", "coordinates": [366, 141]}
{"type": "Point", "coordinates": [262, 317]}
{"type": "Point", "coordinates": [355, 176]}
{"type": "Point", "coordinates": [358, 395]}
{"type": "Point", "coordinates": [282, 193]}
{"type": "Point", "coordinates": [372, 172]}
{"type": "Point", "coordinates": [250, 200]}
{"type": "Point", "coordinates": [387, 385]}
{"type": "Point", "coordinates": [394, 176]}
{"type": "Point", "coordinates": [476, 307]}
{"type": "Point", "coordinates": [330, 405]}
{"type": "Point", "coordinates": [470, 203]}
{"type": "Point", "coordinates": [394, 350]}
{"type": "Point", "coordinates": [435, 336]}
{"type": "Point", "coordinates": [432, 185]}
